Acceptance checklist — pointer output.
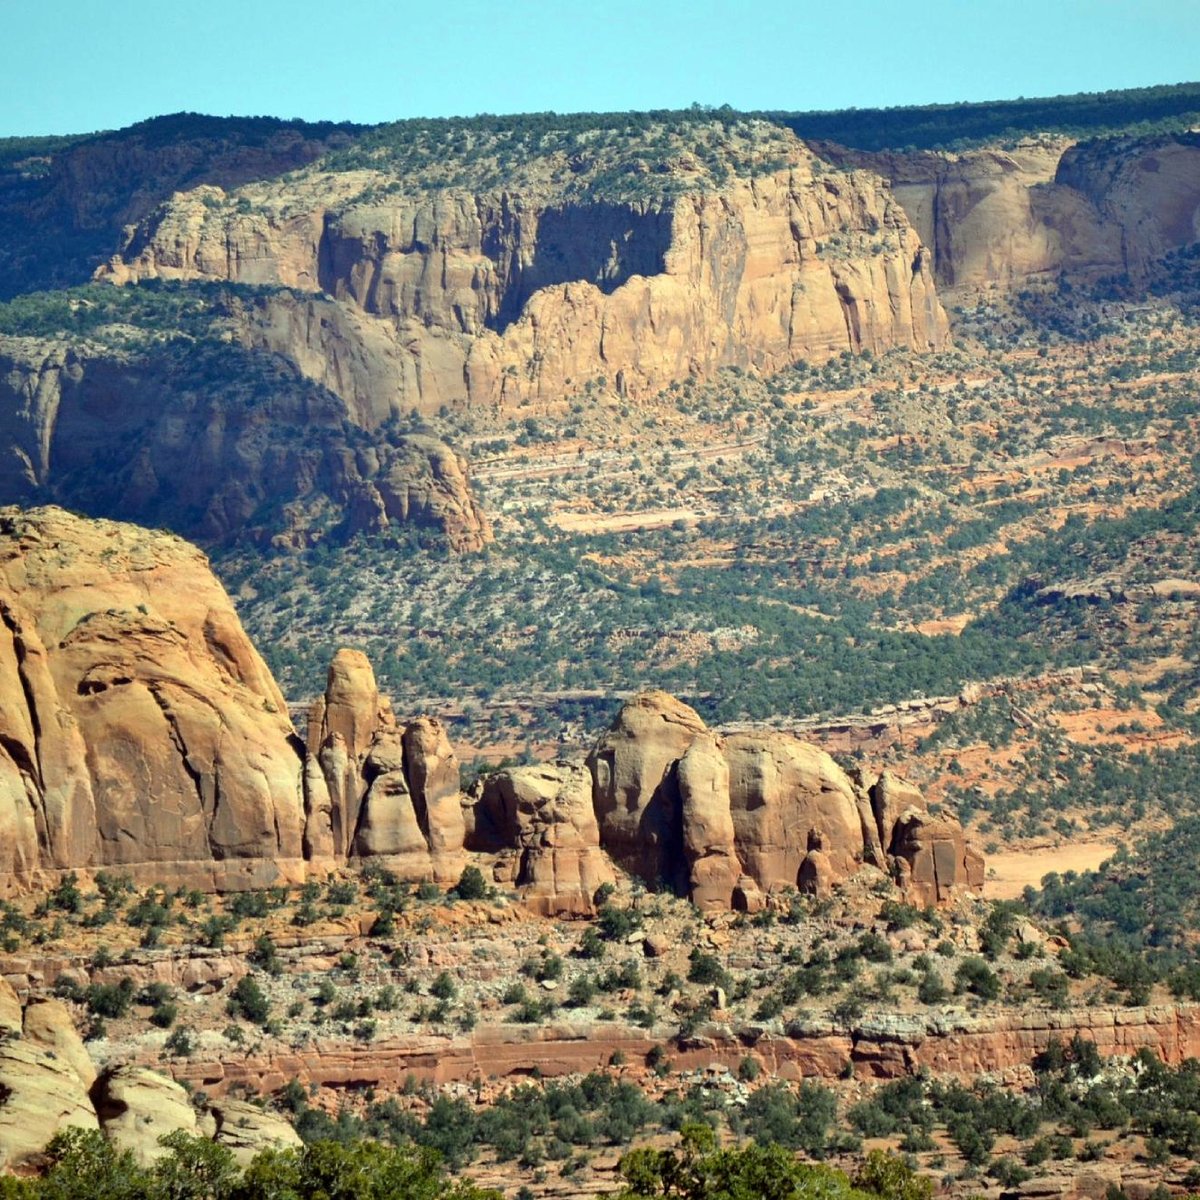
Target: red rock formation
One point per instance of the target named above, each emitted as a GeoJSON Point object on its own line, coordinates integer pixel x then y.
{"type": "Point", "coordinates": [541, 823]}
{"type": "Point", "coordinates": [376, 789]}
{"type": "Point", "coordinates": [929, 855]}
{"type": "Point", "coordinates": [735, 818]}
{"type": "Point", "coordinates": [635, 789]}
{"type": "Point", "coordinates": [138, 726]}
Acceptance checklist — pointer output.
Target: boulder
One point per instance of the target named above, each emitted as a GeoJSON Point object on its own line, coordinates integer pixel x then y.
{"type": "Point", "coordinates": [137, 1106]}
{"type": "Point", "coordinates": [935, 862]}
{"type": "Point", "coordinates": [247, 1129]}
{"type": "Point", "coordinates": [40, 1094]}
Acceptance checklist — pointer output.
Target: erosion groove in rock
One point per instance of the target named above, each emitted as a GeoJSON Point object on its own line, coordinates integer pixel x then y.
{"type": "Point", "coordinates": [741, 816]}
{"type": "Point", "coordinates": [128, 740]}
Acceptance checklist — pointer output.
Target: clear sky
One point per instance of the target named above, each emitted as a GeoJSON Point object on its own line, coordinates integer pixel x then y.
{"type": "Point", "coordinates": [70, 66]}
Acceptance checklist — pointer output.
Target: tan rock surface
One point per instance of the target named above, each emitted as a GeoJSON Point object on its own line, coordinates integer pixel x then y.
{"type": "Point", "coordinates": [930, 855]}
{"type": "Point", "coordinates": [1045, 206]}
{"type": "Point", "coordinates": [782, 791]}
{"type": "Point", "coordinates": [247, 1129]}
{"type": "Point", "coordinates": [48, 1024]}
{"type": "Point", "coordinates": [142, 729]}
{"type": "Point", "coordinates": [10, 1009]}
{"type": "Point", "coordinates": [502, 296]}
{"type": "Point", "coordinates": [546, 812]}
{"type": "Point", "coordinates": [635, 785]}
{"type": "Point", "coordinates": [194, 448]}
{"type": "Point", "coordinates": [137, 1106]}
{"type": "Point", "coordinates": [376, 788]}
{"type": "Point", "coordinates": [40, 1095]}
{"type": "Point", "coordinates": [708, 830]}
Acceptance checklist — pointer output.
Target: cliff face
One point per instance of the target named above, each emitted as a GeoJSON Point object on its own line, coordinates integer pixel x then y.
{"type": "Point", "coordinates": [139, 728]}
{"type": "Point", "coordinates": [731, 819]}
{"type": "Point", "coordinates": [504, 296]}
{"type": "Point", "coordinates": [1045, 207]}
{"type": "Point", "coordinates": [214, 442]}
{"type": "Point", "coordinates": [61, 214]}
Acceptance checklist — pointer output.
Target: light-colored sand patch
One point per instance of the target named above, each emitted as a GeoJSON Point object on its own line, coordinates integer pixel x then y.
{"type": "Point", "coordinates": [1134, 729]}
{"type": "Point", "coordinates": [1009, 872]}
{"type": "Point", "coordinates": [577, 522]}
{"type": "Point", "coordinates": [954, 625]}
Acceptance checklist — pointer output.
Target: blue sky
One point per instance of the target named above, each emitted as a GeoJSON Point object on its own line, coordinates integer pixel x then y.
{"type": "Point", "coordinates": [71, 66]}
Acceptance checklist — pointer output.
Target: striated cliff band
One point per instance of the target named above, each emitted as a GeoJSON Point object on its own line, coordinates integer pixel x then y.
{"type": "Point", "coordinates": [173, 424]}
{"type": "Point", "coordinates": [140, 729]}
{"type": "Point", "coordinates": [645, 259]}
{"type": "Point", "coordinates": [1045, 206]}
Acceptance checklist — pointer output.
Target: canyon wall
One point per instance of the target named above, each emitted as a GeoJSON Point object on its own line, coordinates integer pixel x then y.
{"type": "Point", "coordinates": [503, 296]}
{"type": "Point", "coordinates": [1045, 207]}
{"type": "Point", "coordinates": [139, 728]}
{"type": "Point", "coordinates": [216, 444]}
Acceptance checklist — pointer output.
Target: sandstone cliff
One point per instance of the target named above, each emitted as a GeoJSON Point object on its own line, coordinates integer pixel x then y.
{"type": "Point", "coordinates": [376, 788]}
{"type": "Point", "coordinates": [49, 1084]}
{"type": "Point", "coordinates": [216, 443]}
{"type": "Point", "coordinates": [1045, 207]}
{"type": "Point", "coordinates": [139, 728]}
{"type": "Point", "coordinates": [62, 212]}
{"type": "Point", "coordinates": [506, 295]}
{"type": "Point", "coordinates": [731, 819]}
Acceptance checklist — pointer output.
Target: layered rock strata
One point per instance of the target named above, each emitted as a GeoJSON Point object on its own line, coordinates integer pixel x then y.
{"type": "Point", "coordinates": [215, 443]}
{"type": "Point", "coordinates": [506, 296]}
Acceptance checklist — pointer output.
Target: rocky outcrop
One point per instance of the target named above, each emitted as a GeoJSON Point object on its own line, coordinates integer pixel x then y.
{"type": "Point", "coordinates": [740, 816]}
{"type": "Point", "coordinates": [636, 786]}
{"type": "Point", "coordinates": [540, 822]}
{"type": "Point", "coordinates": [10, 1010]}
{"type": "Point", "coordinates": [137, 1106]}
{"type": "Point", "coordinates": [89, 190]}
{"type": "Point", "coordinates": [503, 296]}
{"type": "Point", "coordinates": [1045, 207]}
{"type": "Point", "coordinates": [48, 1025]}
{"type": "Point", "coordinates": [48, 1083]}
{"type": "Point", "coordinates": [139, 728]}
{"type": "Point", "coordinates": [932, 860]}
{"type": "Point", "coordinates": [246, 1129]}
{"type": "Point", "coordinates": [378, 789]}
{"type": "Point", "coordinates": [216, 442]}
{"type": "Point", "coordinates": [40, 1095]}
